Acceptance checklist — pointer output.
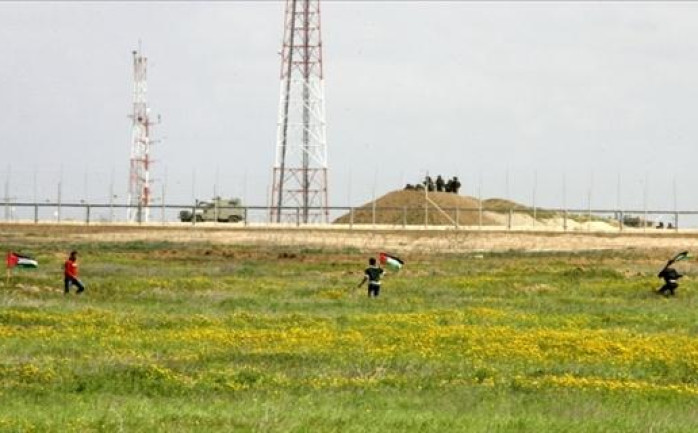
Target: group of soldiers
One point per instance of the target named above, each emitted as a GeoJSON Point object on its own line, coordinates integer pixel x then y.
{"type": "Point", "coordinates": [438, 185]}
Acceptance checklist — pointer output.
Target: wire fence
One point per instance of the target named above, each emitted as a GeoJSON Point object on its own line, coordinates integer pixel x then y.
{"type": "Point", "coordinates": [421, 217]}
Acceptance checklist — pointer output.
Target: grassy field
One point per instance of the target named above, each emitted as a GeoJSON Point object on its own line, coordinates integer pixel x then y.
{"type": "Point", "coordinates": [185, 337]}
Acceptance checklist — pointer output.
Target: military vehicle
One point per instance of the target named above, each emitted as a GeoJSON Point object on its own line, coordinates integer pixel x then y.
{"type": "Point", "coordinates": [221, 210]}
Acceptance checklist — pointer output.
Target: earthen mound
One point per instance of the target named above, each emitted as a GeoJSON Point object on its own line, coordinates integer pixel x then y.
{"type": "Point", "coordinates": [408, 207]}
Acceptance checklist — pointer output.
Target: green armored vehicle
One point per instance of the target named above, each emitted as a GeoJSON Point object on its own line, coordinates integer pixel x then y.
{"type": "Point", "coordinates": [221, 210]}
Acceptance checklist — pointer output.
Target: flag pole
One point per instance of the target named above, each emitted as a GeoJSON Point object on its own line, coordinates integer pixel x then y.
{"type": "Point", "coordinates": [426, 200]}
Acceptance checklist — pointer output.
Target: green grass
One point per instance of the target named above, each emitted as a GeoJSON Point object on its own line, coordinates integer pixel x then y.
{"type": "Point", "coordinates": [173, 337]}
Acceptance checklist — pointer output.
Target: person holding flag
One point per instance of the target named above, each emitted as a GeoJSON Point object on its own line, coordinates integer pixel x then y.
{"type": "Point", "coordinates": [671, 275]}
{"type": "Point", "coordinates": [70, 273]}
{"type": "Point", "coordinates": [373, 273]}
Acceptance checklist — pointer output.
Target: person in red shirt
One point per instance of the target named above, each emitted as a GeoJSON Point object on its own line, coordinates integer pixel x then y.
{"type": "Point", "coordinates": [71, 273]}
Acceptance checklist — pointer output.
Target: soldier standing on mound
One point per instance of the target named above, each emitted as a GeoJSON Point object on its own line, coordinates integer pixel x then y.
{"type": "Point", "coordinates": [455, 185]}
{"type": "Point", "coordinates": [440, 183]}
{"type": "Point", "coordinates": [429, 184]}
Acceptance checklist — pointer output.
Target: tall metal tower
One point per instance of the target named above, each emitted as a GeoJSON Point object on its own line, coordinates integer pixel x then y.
{"type": "Point", "coordinates": [139, 188]}
{"type": "Point", "coordinates": [299, 184]}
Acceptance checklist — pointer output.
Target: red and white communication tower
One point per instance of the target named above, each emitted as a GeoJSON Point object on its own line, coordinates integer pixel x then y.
{"type": "Point", "coordinates": [139, 184]}
{"type": "Point", "coordinates": [299, 184]}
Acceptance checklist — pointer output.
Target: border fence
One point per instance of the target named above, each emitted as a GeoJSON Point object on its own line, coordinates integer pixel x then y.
{"type": "Point", "coordinates": [423, 217]}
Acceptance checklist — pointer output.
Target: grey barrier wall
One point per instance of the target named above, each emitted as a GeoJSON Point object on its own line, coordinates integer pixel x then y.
{"type": "Point", "coordinates": [361, 218]}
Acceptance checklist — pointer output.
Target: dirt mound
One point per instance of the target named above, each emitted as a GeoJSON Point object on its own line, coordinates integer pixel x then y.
{"type": "Point", "coordinates": [500, 204]}
{"type": "Point", "coordinates": [442, 208]}
{"type": "Point", "coordinates": [408, 207]}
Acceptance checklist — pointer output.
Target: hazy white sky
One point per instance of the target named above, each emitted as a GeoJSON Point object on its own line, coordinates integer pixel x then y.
{"type": "Point", "coordinates": [476, 89]}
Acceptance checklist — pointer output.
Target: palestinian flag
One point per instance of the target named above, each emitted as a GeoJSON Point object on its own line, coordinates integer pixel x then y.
{"type": "Point", "coordinates": [391, 262]}
{"type": "Point", "coordinates": [681, 256]}
{"type": "Point", "coordinates": [20, 261]}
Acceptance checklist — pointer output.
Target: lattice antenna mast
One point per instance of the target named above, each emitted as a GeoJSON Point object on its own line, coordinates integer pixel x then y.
{"type": "Point", "coordinates": [299, 184]}
{"type": "Point", "coordinates": [139, 185]}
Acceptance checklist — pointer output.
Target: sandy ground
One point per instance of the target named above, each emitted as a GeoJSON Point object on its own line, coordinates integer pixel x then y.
{"type": "Point", "coordinates": [365, 238]}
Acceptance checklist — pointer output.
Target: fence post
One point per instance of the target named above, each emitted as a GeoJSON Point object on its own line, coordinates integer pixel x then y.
{"type": "Point", "coordinates": [193, 213]}
{"type": "Point", "coordinates": [404, 217]}
{"type": "Point", "coordinates": [621, 219]}
{"type": "Point", "coordinates": [457, 218]}
{"type": "Point", "coordinates": [535, 215]}
{"type": "Point", "coordinates": [87, 215]}
{"type": "Point", "coordinates": [479, 217]}
{"type": "Point", "coordinates": [564, 220]}
{"type": "Point", "coordinates": [298, 216]}
{"type": "Point", "coordinates": [644, 222]}
{"type": "Point", "coordinates": [244, 216]}
{"type": "Point", "coordinates": [140, 213]}
{"type": "Point", "coordinates": [351, 218]}
{"type": "Point", "coordinates": [510, 218]}
{"type": "Point", "coordinates": [36, 213]}
{"type": "Point", "coordinates": [676, 221]}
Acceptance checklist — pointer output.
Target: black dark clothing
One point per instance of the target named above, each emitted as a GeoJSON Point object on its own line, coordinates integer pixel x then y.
{"type": "Point", "coordinates": [374, 275]}
{"type": "Point", "coordinates": [374, 280]}
{"type": "Point", "coordinates": [440, 184]}
{"type": "Point", "coordinates": [671, 281]}
{"type": "Point", "coordinates": [669, 274]}
{"type": "Point", "coordinates": [429, 184]}
{"type": "Point", "coordinates": [669, 287]}
{"type": "Point", "coordinates": [70, 280]}
{"type": "Point", "coordinates": [455, 185]}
